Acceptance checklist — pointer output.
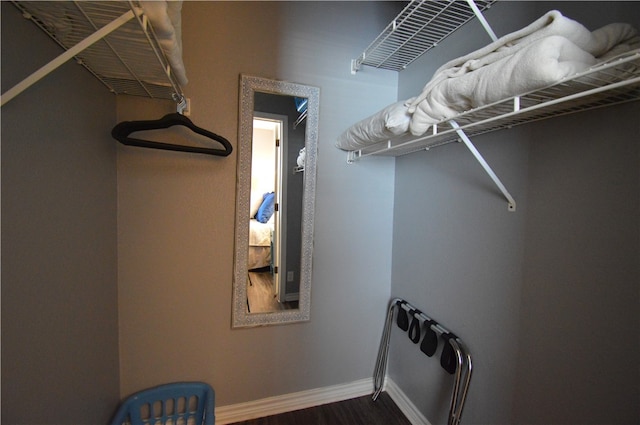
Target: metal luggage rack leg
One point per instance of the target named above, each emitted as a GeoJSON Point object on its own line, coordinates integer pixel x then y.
{"type": "Point", "coordinates": [455, 358]}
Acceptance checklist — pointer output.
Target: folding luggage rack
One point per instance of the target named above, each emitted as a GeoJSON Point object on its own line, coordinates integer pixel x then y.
{"type": "Point", "coordinates": [455, 358]}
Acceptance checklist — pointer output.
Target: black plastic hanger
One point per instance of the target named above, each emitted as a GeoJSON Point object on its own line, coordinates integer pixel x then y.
{"type": "Point", "coordinates": [122, 131]}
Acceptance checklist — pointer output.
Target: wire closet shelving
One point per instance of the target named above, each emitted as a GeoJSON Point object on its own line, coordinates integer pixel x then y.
{"type": "Point", "coordinates": [114, 40]}
{"type": "Point", "coordinates": [423, 24]}
{"type": "Point", "coordinates": [418, 28]}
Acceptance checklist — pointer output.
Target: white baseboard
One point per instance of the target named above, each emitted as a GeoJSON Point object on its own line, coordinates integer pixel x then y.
{"type": "Point", "coordinates": [404, 404]}
{"type": "Point", "coordinates": [316, 397]}
{"type": "Point", "coordinates": [290, 402]}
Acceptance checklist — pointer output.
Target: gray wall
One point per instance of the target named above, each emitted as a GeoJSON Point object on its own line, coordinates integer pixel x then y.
{"type": "Point", "coordinates": [59, 283]}
{"type": "Point", "coordinates": [176, 212]}
{"type": "Point", "coordinates": [546, 298]}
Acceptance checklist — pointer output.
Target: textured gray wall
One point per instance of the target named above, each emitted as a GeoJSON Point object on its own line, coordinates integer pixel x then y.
{"type": "Point", "coordinates": [546, 298]}
{"type": "Point", "coordinates": [579, 305]}
{"type": "Point", "coordinates": [59, 282]}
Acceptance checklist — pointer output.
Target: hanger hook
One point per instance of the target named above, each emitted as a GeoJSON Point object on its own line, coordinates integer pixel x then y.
{"type": "Point", "coordinates": [183, 104]}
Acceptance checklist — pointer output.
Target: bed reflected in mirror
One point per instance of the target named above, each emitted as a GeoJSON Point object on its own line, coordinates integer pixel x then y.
{"type": "Point", "coordinates": [275, 198]}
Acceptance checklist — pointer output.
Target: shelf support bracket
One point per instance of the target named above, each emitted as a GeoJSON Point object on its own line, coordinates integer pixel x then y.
{"type": "Point", "coordinates": [352, 156]}
{"type": "Point", "coordinates": [483, 21]}
{"type": "Point", "coordinates": [64, 57]}
{"type": "Point", "coordinates": [483, 163]}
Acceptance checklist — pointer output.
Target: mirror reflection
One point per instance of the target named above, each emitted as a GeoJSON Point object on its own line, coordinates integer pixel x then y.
{"type": "Point", "coordinates": [276, 191]}
{"type": "Point", "coordinates": [277, 167]}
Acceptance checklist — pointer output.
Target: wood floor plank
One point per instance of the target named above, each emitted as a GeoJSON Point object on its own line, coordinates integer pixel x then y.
{"type": "Point", "coordinates": [261, 293]}
{"type": "Point", "coordinates": [357, 411]}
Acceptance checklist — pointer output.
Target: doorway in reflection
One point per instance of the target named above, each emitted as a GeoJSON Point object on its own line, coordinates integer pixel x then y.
{"type": "Point", "coordinates": [266, 289]}
{"type": "Point", "coordinates": [277, 181]}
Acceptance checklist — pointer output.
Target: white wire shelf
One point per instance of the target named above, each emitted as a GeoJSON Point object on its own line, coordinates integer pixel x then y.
{"type": "Point", "coordinates": [128, 60]}
{"type": "Point", "coordinates": [609, 83]}
{"type": "Point", "coordinates": [419, 27]}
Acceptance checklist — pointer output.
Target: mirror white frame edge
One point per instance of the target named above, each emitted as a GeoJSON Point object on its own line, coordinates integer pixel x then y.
{"type": "Point", "coordinates": [249, 85]}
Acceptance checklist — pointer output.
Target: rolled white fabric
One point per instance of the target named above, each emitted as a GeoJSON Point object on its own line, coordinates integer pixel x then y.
{"type": "Point", "coordinates": [302, 156]}
{"type": "Point", "coordinates": [538, 65]}
{"type": "Point", "coordinates": [573, 48]}
{"type": "Point", "coordinates": [165, 18]}
{"type": "Point", "coordinates": [379, 127]}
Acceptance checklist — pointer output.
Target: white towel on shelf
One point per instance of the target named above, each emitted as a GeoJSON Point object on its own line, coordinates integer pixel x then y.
{"type": "Point", "coordinates": [383, 125]}
{"type": "Point", "coordinates": [547, 50]}
{"type": "Point", "coordinates": [538, 65]}
{"type": "Point", "coordinates": [302, 157]}
{"type": "Point", "coordinates": [165, 18]}
{"type": "Point", "coordinates": [551, 23]}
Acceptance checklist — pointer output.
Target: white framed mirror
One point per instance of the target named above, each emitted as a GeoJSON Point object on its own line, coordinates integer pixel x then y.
{"type": "Point", "coordinates": [276, 179]}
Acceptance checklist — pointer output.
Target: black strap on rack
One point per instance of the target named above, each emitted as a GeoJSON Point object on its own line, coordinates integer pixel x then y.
{"type": "Point", "coordinates": [414, 329]}
{"type": "Point", "coordinates": [402, 319]}
{"type": "Point", "coordinates": [448, 358]}
{"type": "Point", "coordinates": [430, 342]}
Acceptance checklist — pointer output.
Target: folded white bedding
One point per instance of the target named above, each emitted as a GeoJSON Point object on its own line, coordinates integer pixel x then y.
{"type": "Point", "coordinates": [538, 65]}
{"type": "Point", "coordinates": [552, 23]}
{"type": "Point", "coordinates": [551, 48]}
{"type": "Point", "coordinates": [380, 127]}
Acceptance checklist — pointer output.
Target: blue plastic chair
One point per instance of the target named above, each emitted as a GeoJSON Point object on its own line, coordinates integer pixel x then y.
{"type": "Point", "coordinates": [187, 403]}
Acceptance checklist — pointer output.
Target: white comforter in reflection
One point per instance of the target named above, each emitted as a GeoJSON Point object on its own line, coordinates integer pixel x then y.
{"type": "Point", "coordinates": [260, 233]}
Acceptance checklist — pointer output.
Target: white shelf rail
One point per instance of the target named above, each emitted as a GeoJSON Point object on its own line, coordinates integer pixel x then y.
{"type": "Point", "coordinates": [613, 82]}
{"type": "Point", "coordinates": [113, 40]}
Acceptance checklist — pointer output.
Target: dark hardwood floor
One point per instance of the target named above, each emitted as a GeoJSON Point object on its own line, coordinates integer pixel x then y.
{"type": "Point", "coordinates": [357, 411]}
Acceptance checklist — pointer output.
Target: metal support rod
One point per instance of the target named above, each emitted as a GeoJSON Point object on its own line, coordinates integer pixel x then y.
{"type": "Point", "coordinates": [487, 168]}
{"type": "Point", "coordinates": [483, 21]}
{"type": "Point", "coordinates": [352, 156]}
{"type": "Point", "coordinates": [64, 57]}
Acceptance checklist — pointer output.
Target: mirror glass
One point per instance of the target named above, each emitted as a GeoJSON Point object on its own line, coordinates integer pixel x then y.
{"type": "Point", "coordinates": [277, 147]}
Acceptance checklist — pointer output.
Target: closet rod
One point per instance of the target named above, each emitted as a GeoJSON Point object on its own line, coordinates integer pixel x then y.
{"type": "Point", "coordinates": [434, 324]}
{"type": "Point", "coordinates": [64, 57]}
